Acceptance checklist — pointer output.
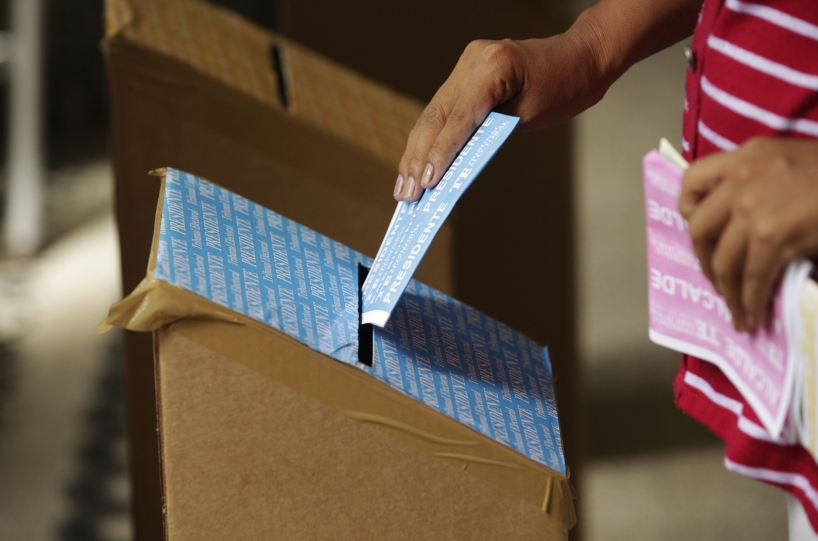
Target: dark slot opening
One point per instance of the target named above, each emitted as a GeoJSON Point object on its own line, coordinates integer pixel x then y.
{"type": "Point", "coordinates": [364, 331]}
{"type": "Point", "coordinates": [277, 60]}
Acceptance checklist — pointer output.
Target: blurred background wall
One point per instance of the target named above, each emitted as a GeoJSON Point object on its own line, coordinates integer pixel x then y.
{"type": "Point", "coordinates": [651, 473]}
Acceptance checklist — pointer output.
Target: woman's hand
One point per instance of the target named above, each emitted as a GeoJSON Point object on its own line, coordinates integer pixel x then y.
{"type": "Point", "coordinates": [750, 213]}
{"type": "Point", "coordinates": [542, 81]}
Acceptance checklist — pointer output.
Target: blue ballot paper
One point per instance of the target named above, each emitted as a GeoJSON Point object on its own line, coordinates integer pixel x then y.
{"type": "Point", "coordinates": [436, 350]}
{"type": "Point", "coordinates": [414, 225]}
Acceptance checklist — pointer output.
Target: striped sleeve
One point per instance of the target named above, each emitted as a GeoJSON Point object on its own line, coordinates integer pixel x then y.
{"type": "Point", "coordinates": [757, 74]}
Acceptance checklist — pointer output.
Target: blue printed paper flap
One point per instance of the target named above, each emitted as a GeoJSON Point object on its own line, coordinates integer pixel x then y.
{"type": "Point", "coordinates": [434, 349]}
{"type": "Point", "coordinates": [414, 225]}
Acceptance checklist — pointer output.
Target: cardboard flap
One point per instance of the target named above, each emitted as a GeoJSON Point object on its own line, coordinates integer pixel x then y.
{"type": "Point", "coordinates": [269, 68]}
{"type": "Point", "coordinates": [155, 304]}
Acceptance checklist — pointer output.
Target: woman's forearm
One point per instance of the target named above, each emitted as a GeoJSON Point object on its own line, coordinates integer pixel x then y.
{"type": "Point", "coordinates": [542, 81]}
{"type": "Point", "coordinates": [620, 33]}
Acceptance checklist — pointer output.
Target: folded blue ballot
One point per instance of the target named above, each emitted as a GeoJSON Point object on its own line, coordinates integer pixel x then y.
{"type": "Point", "coordinates": [414, 225]}
{"type": "Point", "coordinates": [434, 349]}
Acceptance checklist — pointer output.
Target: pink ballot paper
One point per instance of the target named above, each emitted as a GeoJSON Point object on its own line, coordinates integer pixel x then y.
{"type": "Point", "coordinates": [687, 315]}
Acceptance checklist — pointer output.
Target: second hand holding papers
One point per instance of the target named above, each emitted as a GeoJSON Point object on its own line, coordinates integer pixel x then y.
{"type": "Point", "coordinates": [688, 315]}
{"type": "Point", "coordinates": [414, 225]}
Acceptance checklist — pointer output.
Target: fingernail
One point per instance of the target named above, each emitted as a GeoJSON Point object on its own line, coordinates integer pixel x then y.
{"type": "Point", "coordinates": [398, 186]}
{"type": "Point", "coordinates": [410, 187]}
{"type": "Point", "coordinates": [427, 176]}
{"type": "Point", "coordinates": [751, 322]}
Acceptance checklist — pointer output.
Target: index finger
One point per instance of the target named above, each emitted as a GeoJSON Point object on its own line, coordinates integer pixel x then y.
{"type": "Point", "coordinates": [466, 116]}
{"type": "Point", "coordinates": [484, 77]}
{"type": "Point", "coordinates": [427, 127]}
{"type": "Point", "coordinates": [700, 179]}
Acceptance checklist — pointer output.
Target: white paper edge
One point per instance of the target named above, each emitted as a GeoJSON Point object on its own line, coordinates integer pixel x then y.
{"type": "Point", "coordinates": [795, 280]}
{"type": "Point", "coordinates": [375, 317]}
{"type": "Point", "coordinates": [773, 425]}
{"type": "Point", "coordinates": [804, 430]}
{"type": "Point", "coordinates": [791, 307]}
{"type": "Point", "coordinates": [669, 152]}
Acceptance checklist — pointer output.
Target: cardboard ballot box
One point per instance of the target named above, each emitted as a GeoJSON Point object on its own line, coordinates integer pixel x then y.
{"type": "Point", "coordinates": [281, 417]}
{"type": "Point", "coordinates": [196, 87]}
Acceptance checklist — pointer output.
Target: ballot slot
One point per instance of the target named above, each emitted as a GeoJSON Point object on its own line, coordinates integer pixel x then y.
{"type": "Point", "coordinates": [277, 63]}
{"type": "Point", "coordinates": [365, 330]}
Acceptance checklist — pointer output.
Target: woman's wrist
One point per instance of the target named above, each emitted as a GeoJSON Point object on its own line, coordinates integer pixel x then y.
{"type": "Point", "coordinates": [594, 50]}
{"type": "Point", "coordinates": [613, 35]}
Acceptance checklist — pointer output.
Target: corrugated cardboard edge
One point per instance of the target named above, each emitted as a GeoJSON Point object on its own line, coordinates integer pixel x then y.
{"type": "Point", "coordinates": [163, 475]}
{"type": "Point", "coordinates": [154, 304]}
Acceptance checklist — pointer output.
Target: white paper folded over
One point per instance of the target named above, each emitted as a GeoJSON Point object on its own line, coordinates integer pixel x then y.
{"type": "Point", "coordinates": [805, 343]}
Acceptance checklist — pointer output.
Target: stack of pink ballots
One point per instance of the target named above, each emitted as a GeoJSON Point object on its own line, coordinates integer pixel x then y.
{"type": "Point", "coordinates": [689, 316]}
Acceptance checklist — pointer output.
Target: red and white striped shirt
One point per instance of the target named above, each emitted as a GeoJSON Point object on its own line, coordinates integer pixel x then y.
{"type": "Point", "coordinates": [753, 71]}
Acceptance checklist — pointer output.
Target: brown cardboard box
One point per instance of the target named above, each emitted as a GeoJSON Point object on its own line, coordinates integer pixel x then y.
{"type": "Point", "coordinates": [247, 454]}
{"type": "Point", "coordinates": [262, 437]}
{"type": "Point", "coordinates": [260, 115]}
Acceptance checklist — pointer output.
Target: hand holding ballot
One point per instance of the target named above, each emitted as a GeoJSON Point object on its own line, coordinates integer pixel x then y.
{"type": "Point", "coordinates": [415, 224]}
{"type": "Point", "coordinates": [541, 81]}
{"type": "Point", "coordinates": [752, 211]}
{"type": "Point", "coordinates": [517, 75]}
